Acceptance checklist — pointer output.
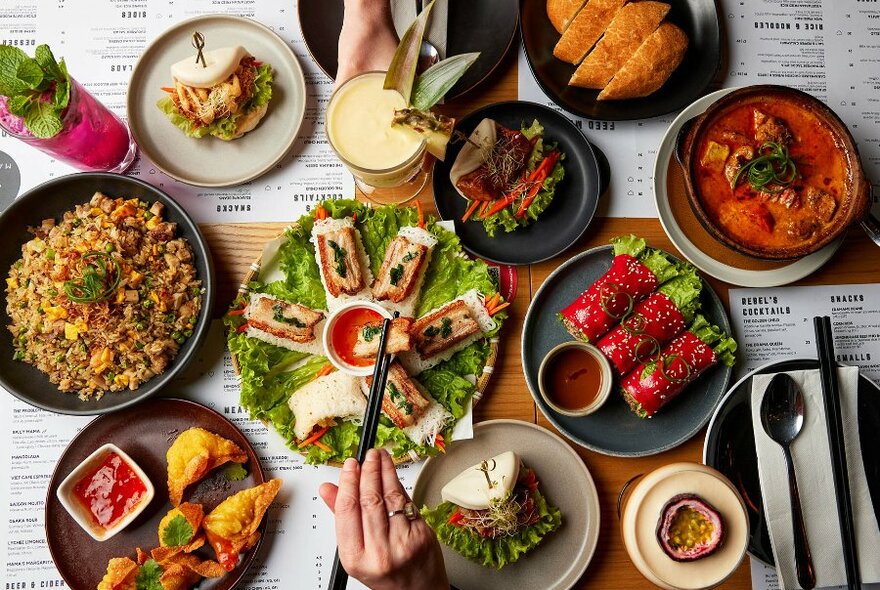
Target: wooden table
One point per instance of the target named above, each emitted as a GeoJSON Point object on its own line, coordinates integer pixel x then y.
{"type": "Point", "coordinates": [235, 247]}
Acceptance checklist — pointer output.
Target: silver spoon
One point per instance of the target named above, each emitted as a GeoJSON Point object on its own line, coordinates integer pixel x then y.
{"type": "Point", "coordinates": [428, 54]}
{"type": "Point", "coordinates": [782, 415]}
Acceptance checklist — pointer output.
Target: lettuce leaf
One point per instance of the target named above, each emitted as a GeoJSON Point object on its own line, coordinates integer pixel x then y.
{"type": "Point", "coordinates": [684, 292]}
{"type": "Point", "coordinates": [262, 88]}
{"type": "Point", "coordinates": [270, 374]}
{"type": "Point", "coordinates": [657, 261]}
{"type": "Point", "coordinates": [492, 552]}
{"type": "Point", "coordinates": [505, 219]}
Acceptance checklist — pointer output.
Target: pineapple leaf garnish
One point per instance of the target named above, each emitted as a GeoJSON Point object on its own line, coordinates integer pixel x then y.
{"type": "Point", "coordinates": [402, 71]}
{"type": "Point", "coordinates": [433, 84]}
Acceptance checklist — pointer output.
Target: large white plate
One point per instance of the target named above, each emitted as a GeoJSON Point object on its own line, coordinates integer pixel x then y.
{"type": "Point", "coordinates": [703, 260]}
{"type": "Point", "coordinates": [210, 161]}
{"type": "Point", "coordinates": [563, 556]}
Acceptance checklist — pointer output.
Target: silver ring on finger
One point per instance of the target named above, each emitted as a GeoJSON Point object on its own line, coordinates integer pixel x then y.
{"type": "Point", "coordinates": [408, 510]}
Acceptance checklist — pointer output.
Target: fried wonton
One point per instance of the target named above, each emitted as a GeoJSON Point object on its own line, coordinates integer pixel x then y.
{"type": "Point", "coordinates": [121, 573]}
{"type": "Point", "coordinates": [196, 452]}
{"type": "Point", "coordinates": [232, 526]}
{"type": "Point", "coordinates": [180, 531]}
{"type": "Point", "coordinates": [184, 570]}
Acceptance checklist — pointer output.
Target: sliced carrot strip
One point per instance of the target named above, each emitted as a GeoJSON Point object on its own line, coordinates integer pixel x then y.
{"type": "Point", "coordinates": [313, 437]}
{"type": "Point", "coordinates": [499, 308]}
{"type": "Point", "coordinates": [421, 215]}
{"type": "Point", "coordinates": [470, 211]}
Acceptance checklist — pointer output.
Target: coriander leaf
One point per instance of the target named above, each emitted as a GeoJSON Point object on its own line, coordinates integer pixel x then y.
{"type": "Point", "coordinates": [30, 73]}
{"type": "Point", "coordinates": [148, 576]}
{"type": "Point", "coordinates": [42, 119]}
{"type": "Point", "coordinates": [178, 532]}
{"type": "Point", "coordinates": [10, 59]}
{"type": "Point", "coordinates": [18, 104]}
{"type": "Point", "coordinates": [43, 56]}
{"type": "Point", "coordinates": [235, 472]}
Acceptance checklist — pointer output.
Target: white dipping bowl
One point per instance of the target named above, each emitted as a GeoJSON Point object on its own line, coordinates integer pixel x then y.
{"type": "Point", "coordinates": [81, 514]}
{"type": "Point", "coordinates": [329, 326]}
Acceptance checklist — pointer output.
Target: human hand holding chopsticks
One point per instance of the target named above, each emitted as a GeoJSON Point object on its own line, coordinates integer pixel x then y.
{"type": "Point", "coordinates": [383, 551]}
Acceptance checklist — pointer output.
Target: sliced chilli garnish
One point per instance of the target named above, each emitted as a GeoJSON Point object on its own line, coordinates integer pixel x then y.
{"type": "Point", "coordinates": [608, 294]}
{"type": "Point", "coordinates": [641, 355]}
{"type": "Point", "coordinates": [665, 364]}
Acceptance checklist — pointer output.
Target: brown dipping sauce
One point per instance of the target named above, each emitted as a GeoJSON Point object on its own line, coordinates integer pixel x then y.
{"type": "Point", "coordinates": [573, 379]}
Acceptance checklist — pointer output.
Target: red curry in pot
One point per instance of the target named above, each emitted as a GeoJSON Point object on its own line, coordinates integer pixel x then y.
{"type": "Point", "coordinates": [770, 174]}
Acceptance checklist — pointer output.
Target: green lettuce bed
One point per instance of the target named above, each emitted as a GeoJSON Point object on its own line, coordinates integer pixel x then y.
{"type": "Point", "coordinates": [270, 374]}
{"type": "Point", "coordinates": [498, 552]}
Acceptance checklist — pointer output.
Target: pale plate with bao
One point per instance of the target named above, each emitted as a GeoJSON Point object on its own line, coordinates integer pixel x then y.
{"type": "Point", "coordinates": [563, 556]}
{"type": "Point", "coordinates": [210, 161]}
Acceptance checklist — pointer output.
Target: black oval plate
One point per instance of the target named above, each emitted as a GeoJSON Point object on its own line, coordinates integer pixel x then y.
{"type": "Point", "coordinates": [567, 217]}
{"type": "Point", "coordinates": [52, 199]}
{"type": "Point", "coordinates": [730, 446]}
{"type": "Point", "coordinates": [614, 429]}
{"type": "Point", "coordinates": [487, 26]}
{"type": "Point", "coordinates": [697, 18]}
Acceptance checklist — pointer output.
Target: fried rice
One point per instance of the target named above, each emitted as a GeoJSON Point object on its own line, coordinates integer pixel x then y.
{"type": "Point", "coordinates": [103, 300]}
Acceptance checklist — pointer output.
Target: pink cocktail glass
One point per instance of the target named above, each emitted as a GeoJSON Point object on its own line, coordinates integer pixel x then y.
{"type": "Point", "coordinates": [92, 137]}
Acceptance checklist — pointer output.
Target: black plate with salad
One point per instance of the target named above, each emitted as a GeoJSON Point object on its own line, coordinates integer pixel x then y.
{"type": "Point", "coordinates": [521, 183]}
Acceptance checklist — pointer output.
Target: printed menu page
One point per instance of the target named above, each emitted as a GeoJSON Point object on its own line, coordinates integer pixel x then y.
{"type": "Point", "coordinates": [300, 539]}
{"type": "Point", "coordinates": [101, 43]}
{"type": "Point", "coordinates": [828, 48]}
{"type": "Point", "coordinates": [777, 323]}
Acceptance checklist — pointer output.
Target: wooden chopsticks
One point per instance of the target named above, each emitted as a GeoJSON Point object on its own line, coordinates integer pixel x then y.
{"type": "Point", "coordinates": [338, 575]}
{"type": "Point", "coordinates": [834, 422]}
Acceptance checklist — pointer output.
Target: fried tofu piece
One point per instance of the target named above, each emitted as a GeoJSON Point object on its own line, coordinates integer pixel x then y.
{"type": "Point", "coordinates": [399, 338]}
{"type": "Point", "coordinates": [399, 274]}
{"type": "Point", "coordinates": [289, 321]}
{"type": "Point", "coordinates": [340, 266]}
{"type": "Point", "coordinates": [715, 156]}
{"type": "Point", "coordinates": [629, 29]}
{"type": "Point", "coordinates": [770, 128]}
{"type": "Point", "coordinates": [585, 29]}
{"type": "Point", "coordinates": [650, 66]}
{"type": "Point", "coordinates": [403, 402]}
{"type": "Point", "coordinates": [444, 328]}
{"type": "Point", "coordinates": [195, 453]}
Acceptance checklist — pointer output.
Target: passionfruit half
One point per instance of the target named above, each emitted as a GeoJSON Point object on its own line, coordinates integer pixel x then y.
{"type": "Point", "coordinates": [689, 528]}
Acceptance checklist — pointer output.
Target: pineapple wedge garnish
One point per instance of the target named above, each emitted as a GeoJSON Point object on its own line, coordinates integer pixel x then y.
{"type": "Point", "coordinates": [434, 127]}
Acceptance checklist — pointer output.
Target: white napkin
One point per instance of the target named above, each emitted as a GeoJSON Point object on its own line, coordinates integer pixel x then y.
{"type": "Point", "coordinates": [812, 462]}
{"type": "Point", "coordinates": [404, 12]}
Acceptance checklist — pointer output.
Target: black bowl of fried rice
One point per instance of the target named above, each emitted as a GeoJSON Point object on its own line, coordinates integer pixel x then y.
{"type": "Point", "coordinates": [108, 292]}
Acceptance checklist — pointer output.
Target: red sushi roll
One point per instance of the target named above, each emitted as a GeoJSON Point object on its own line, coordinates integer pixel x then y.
{"type": "Point", "coordinates": [650, 386]}
{"type": "Point", "coordinates": [654, 321]}
{"type": "Point", "coordinates": [636, 271]}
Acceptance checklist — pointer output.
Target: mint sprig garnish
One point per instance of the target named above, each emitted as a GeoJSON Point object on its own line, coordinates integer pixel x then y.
{"type": "Point", "coordinates": [26, 81]}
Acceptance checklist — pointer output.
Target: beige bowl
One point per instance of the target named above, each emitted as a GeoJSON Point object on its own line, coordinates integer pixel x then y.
{"type": "Point", "coordinates": [604, 387]}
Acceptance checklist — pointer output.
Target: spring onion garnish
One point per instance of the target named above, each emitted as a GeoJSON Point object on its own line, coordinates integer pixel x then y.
{"type": "Point", "coordinates": [634, 324]}
{"type": "Point", "coordinates": [666, 363]}
{"type": "Point", "coordinates": [100, 276]}
{"type": "Point", "coordinates": [651, 354]}
{"type": "Point", "coordinates": [771, 172]}
{"type": "Point", "coordinates": [608, 294]}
